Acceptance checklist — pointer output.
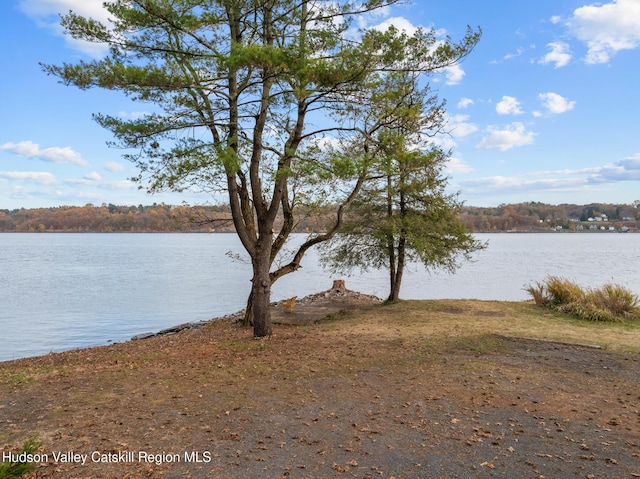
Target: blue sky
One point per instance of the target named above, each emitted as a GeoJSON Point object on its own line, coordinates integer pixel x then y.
{"type": "Point", "coordinates": [546, 108]}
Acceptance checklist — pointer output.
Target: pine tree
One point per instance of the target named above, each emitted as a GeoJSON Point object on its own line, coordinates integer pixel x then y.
{"type": "Point", "coordinates": [232, 87]}
{"type": "Point", "coordinates": [403, 212]}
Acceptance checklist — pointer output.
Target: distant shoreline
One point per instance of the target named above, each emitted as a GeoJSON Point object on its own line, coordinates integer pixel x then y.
{"type": "Point", "coordinates": [529, 217]}
{"type": "Point", "coordinates": [541, 231]}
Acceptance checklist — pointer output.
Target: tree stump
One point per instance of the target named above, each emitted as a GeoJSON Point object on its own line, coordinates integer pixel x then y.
{"type": "Point", "coordinates": [289, 305]}
{"type": "Point", "coordinates": [338, 286]}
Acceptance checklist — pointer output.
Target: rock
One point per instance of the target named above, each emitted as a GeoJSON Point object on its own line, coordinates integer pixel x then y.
{"type": "Point", "coordinates": [143, 336]}
{"type": "Point", "coordinates": [172, 330]}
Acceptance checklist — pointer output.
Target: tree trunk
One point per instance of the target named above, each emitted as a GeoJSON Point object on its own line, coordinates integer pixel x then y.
{"type": "Point", "coordinates": [392, 271]}
{"type": "Point", "coordinates": [396, 255]}
{"type": "Point", "coordinates": [261, 288]}
{"type": "Point", "coordinates": [394, 295]}
{"type": "Point", "coordinates": [391, 248]}
{"type": "Point", "coordinates": [338, 286]}
{"type": "Point", "coordinates": [247, 320]}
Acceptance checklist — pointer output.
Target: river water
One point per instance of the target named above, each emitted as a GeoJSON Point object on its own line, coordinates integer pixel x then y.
{"type": "Point", "coordinates": [64, 291]}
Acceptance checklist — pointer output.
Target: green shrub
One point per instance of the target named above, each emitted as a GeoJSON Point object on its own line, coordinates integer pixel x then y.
{"type": "Point", "coordinates": [14, 470]}
{"type": "Point", "coordinates": [612, 302]}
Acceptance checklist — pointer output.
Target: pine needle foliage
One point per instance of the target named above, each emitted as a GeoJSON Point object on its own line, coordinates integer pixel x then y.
{"type": "Point", "coordinates": [240, 94]}
{"type": "Point", "coordinates": [403, 213]}
{"type": "Point", "coordinates": [14, 470]}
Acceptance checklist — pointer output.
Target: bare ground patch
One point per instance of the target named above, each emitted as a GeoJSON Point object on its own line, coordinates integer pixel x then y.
{"type": "Point", "coordinates": [420, 389]}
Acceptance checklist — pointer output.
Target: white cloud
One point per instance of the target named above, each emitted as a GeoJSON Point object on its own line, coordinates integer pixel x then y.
{"type": "Point", "coordinates": [585, 179]}
{"type": "Point", "coordinates": [453, 74]}
{"type": "Point", "coordinates": [93, 176]}
{"type": "Point", "coordinates": [94, 180]}
{"type": "Point", "coordinates": [29, 149]}
{"type": "Point", "coordinates": [121, 185]}
{"type": "Point", "coordinates": [514, 184]}
{"type": "Point", "coordinates": [133, 115]}
{"type": "Point", "coordinates": [556, 19]}
{"type": "Point", "coordinates": [509, 137]}
{"type": "Point", "coordinates": [271, 131]}
{"type": "Point", "coordinates": [607, 28]}
{"type": "Point", "coordinates": [400, 23]}
{"type": "Point", "coordinates": [365, 20]}
{"type": "Point", "coordinates": [327, 143]}
{"type": "Point", "coordinates": [465, 102]}
{"type": "Point", "coordinates": [555, 104]}
{"type": "Point", "coordinates": [460, 126]}
{"type": "Point", "coordinates": [508, 106]}
{"type": "Point", "coordinates": [627, 169]}
{"type": "Point", "coordinates": [384, 11]}
{"type": "Point", "coordinates": [457, 166]}
{"type": "Point", "coordinates": [45, 8]}
{"type": "Point", "coordinates": [445, 142]}
{"type": "Point", "coordinates": [559, 55]}
{"type": "Point", "coordinates": [76, 182]}
{"type": "Point", "coordinates": [518, 52]}
{"type": "Point", "coordinates": [631, 162]}
{"type": "Point", "coordinates": [94, 50]}
{"type": "Point", "coordinates": [45, 14]}
{"type": "Point", "coordinates": [39, 177]}
{"type": "Point", "coordinates": [114, 167]}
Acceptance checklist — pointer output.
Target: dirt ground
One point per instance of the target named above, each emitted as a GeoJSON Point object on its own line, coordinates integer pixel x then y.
{"type": "Point", "coordinates": [352, 395]}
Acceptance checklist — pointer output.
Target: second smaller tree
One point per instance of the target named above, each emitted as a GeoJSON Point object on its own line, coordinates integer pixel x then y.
{"type": "Point", "coordinates": [403, 213]}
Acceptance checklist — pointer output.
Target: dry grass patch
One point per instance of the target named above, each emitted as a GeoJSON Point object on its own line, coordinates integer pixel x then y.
{"type": "Point", "coordinates": [610, 303]}
{"type": "Point", "coordinates": [437, 320]}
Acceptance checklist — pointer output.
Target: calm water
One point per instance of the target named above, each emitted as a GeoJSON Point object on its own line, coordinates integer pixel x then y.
{"type": "Point", "coordinates": [63, 291]}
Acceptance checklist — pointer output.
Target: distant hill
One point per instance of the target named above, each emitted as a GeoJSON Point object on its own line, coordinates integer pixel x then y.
{"type": "Point", "coordinates": [112, 218]}
{"type": "Point", "coordinates": [137, 219]}
{"type": "Point", "coordinates": [532, 216]}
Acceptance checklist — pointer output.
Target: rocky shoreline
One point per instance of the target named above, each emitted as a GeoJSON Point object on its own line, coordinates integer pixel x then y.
{"type": "Point", "coordinates": [332, 300]}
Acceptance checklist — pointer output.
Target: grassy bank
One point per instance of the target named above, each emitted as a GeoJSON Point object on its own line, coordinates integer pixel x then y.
{"type": "Point", "coordinates": [379, 389]}
{"type": "Point", "coordinates": [468, 318]}
{"type": "Point", "coordinates": [425, 322]}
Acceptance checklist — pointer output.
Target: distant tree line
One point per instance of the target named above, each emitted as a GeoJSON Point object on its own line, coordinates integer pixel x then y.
{"type": "Point", "coordinates": [531, 216]}
{"type": "Point", "coordinates": [110, 218]}
{"type": "Point", "coordinates": [536, 216]}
